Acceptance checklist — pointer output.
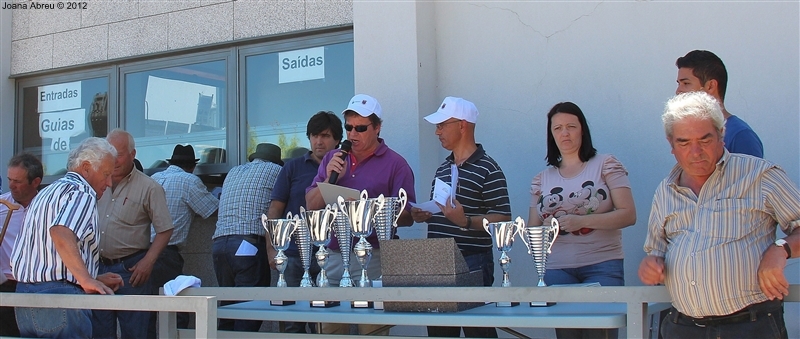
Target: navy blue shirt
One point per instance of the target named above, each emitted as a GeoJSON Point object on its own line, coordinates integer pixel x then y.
{"type": "Point", "coordinates": [290, 187]}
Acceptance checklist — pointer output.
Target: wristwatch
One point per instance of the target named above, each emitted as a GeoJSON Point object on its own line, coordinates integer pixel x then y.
{"type": "Point", "coordinates": [785, 245]}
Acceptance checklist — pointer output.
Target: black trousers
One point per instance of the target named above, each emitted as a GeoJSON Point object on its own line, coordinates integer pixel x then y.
{"type": "Point", "coordinates": [8, 321]}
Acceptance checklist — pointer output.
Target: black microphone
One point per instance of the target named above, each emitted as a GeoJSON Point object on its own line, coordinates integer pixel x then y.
{"type": "Point", "coordinates": [346, 146]}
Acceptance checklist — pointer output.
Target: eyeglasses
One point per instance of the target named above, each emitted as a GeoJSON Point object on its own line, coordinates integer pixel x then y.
{"type": "Point", "coordinates": [440, 125]}
{"type": "Point", "coordinates": [359, 128]}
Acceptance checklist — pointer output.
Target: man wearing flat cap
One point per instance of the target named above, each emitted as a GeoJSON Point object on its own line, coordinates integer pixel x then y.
{"type": "Point", "coordinates": [187, 196]}
{"type": "Point", "coordinates": [239, 247]}
{"type": "Point", "coordinates": [372, 166]}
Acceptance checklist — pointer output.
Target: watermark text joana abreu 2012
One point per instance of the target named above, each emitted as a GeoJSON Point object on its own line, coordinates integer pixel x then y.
{"type": "Point", "coordinates": [45, 5]}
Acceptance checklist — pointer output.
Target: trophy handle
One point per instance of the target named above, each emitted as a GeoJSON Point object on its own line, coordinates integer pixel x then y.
{"type": "Point", "coordinates": [381, 202]}
{"type": "Point", "coordinates": [340, 203]}
{"type": "Point", "coordinates": [264, 222]}
{"type": "Point", "coordinates": [553, 228]}
{"type": "Point", "coordinates": [403, 197]}
{"type": "Point", "coordinates": [330, 214]}
{"type": "Point", "coordinates": [486, 226]}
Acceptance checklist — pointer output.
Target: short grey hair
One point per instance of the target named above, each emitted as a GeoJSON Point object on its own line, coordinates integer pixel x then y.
{"type": "Point", "coordinates": [93, 150]}
{"type": "Point", "coordinates": [120, 133]}
{"type": "Point", "coordinates": [698, 105]}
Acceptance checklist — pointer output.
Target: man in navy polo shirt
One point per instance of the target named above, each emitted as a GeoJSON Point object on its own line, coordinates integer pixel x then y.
{"type": "Point", "coordinates": [481, 193]}
{"type": "Point", "coordinates": [324, 132]}
{"type": "Point", "coordinates": [371, 166]}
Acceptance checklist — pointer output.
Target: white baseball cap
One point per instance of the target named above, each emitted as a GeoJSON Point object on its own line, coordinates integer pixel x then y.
{"type": "Point", "coordinates": [364, 105]}
{"type": "Point", "coordinates": [453, 107]}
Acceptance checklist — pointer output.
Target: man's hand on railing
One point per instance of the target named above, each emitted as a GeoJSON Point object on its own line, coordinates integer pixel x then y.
{"type": "Point", "coordinates": [111, 280]}
{"type": "Point", "coordinates": [651, 270]}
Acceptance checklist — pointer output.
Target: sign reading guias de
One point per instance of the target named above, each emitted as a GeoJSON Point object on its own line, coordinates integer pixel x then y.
{"type": "Point", "coordinates": [301, 65]}
{"type": "Point", "coordinates": [60, 115]}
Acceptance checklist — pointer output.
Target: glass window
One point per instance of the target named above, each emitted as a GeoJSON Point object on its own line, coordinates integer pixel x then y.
{"type": "Point", "coordinates": [183, 104]}
{"type": "Point", "coordinates": [284, 89]}
{"type": "Point", "coordinates": [57, 117]}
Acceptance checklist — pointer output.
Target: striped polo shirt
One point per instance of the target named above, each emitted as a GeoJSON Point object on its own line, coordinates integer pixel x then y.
{"type": "Point", "coordinates": [481, 189]}
{"type": "Point", "coordinates": [712, 243]}
{"type": "Point", "coordinates": [70, 202]}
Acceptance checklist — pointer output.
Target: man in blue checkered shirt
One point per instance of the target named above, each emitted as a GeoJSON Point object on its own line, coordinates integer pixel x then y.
{"type": "Point", "coordinates": [239, 248]}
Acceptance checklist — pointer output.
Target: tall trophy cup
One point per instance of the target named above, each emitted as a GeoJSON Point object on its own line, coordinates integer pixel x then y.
{"type": "Point", "coordinates": [386, 218]}
{"type": "Point", "coordinates": [280, 234]}
{"type": "Point", "coordinates": [320, 223]}
{"type": "Point", "coordinates": [361, 216]}
{"type": "Point", "coordinates": [303, 239]}
{"type": "Point", "coordinates": [341, 227]}
{"type": "Point", "coordinates": [503, 233]}
{"type": "Point", "coordinates": [539, 240]}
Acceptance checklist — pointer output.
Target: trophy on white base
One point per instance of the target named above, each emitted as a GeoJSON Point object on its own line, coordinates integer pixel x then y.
{"type": "Point", "coordinates": [539, 240]}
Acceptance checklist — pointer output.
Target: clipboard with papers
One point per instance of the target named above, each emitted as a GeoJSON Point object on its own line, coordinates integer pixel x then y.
{"type": "Point", "coordinates": [330, 192]}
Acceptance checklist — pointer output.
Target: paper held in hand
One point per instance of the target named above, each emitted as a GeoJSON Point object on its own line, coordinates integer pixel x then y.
{"type": "Point", "coordinates": [331, 192]}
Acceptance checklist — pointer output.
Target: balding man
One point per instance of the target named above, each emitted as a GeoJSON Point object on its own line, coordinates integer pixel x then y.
{"type": "Point", "coordinates": [127, 209]}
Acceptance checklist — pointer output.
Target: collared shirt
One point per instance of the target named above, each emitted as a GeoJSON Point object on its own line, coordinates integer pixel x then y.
{"type": "Point", "coordinates": [246, 194]}
{"type": "Point", "coordinates": [712, 243]}
{"type": "Point", "coordinates": [14, 225]}
{"type": "Point", "coordinates": [384, 172]}
{"type": "Point", "coordinates": [70, 202]}
{"type": "Point", "coordinates": [481, 189]}
{"type": "Point", "coordinates": [126, 213]}
{"type": "Point", "coordinates": [186, 196]}
{"type": "Point", "coordinates": [290, 187]}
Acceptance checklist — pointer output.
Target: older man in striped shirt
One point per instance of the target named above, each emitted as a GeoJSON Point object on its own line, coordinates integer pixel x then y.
{"type": "Point", "coordinates": [56, 250]}
{"type": "Point", "coordinates": [711, 237]}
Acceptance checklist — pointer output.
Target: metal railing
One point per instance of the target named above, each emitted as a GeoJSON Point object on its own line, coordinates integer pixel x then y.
{"type": "Point", "coordinates": [203, 301]}
{"type": "Point", "coordinates": [204, 307]}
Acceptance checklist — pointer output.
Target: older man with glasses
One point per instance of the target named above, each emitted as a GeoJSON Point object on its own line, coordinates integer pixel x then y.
{"type": "Point", "coordinates": [371, 166]}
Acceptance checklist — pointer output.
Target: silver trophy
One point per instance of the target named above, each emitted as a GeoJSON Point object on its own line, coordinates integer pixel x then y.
{"type": "Point", "coordinates": [386, 218]}
{"type": "Point", "coordinates": [341, 227]}
{"type": "Point", "coordinates": [503, 233]}
{"type": "Point", "coordinates": [303, 239]}
{"type": "Point", "coordinates": [539, 240]}
{"type": "Point", "coordinates": [320, 223]}
{"type": "Point", "coordinates": [280, 234]}
{"type": "Point", "coordinates": [361, 216]}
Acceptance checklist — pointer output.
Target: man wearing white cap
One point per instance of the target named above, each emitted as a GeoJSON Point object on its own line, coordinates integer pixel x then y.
{"type": "Point", "coordinates": [481, 193]}
{"type": "Point", "coordinates": [370, 166]}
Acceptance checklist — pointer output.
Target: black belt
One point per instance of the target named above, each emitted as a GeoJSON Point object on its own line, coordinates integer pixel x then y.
{"type": "Point", "coordinates": [749, 313]}
{"type": "Point", "coordinates": [109, 262]}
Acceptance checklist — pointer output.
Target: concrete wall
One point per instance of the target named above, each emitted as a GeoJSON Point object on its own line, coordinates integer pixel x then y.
{"type": "Point", "coordinates": [108, 30]}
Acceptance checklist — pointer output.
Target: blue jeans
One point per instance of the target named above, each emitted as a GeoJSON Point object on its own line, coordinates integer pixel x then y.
{"type": "Point", "coordinates": [767, 322]}
{"type": "Point", "coordinates": [53, 322]}
{"type": "Point", "coordinates": [607, 273]}
{"type": "Point", "coordinates": [133, 324]}
{"type": "Point", "coordinates": [483, 261]}
{"type": "Point", "coordinates": [240, 271]}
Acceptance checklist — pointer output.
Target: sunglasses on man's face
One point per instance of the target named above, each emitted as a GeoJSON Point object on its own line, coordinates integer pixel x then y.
{"type": "Point", "coordinates": [359, 128]}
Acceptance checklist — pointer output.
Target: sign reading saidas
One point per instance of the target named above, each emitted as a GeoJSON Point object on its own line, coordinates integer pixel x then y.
{"type": "Point", "coordinates": [301, 65]}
